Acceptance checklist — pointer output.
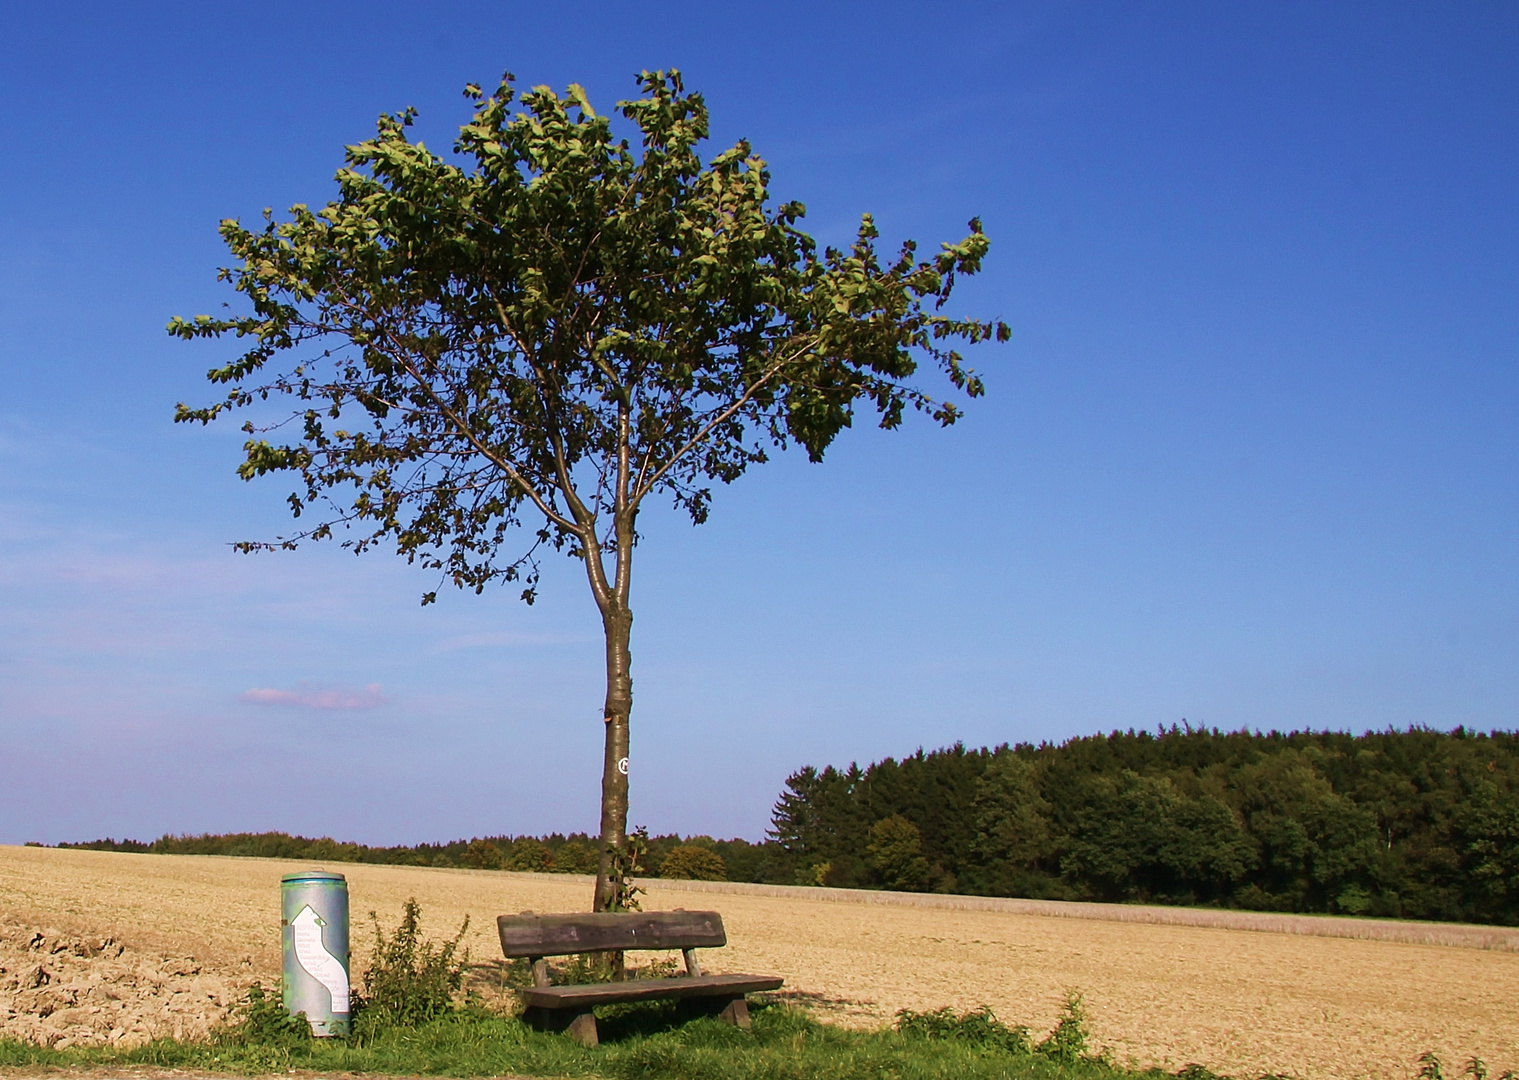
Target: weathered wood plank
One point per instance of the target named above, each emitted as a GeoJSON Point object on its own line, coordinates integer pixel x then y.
{"type": "Point", "coordinates": [736, 1013]}
{"type": "Point", "coordinates": [558, 935]}
{"type": "Point", "coordinates": [578, 1025]}
{"type": "Point", "coordinates": [589, 994]}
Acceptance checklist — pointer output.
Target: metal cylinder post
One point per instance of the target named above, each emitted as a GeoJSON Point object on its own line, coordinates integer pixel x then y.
{"type": "Point", "coordinates": [314, 931]}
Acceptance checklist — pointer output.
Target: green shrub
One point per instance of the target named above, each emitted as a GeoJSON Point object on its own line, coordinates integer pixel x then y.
{"type": "Point", "coordinates": [1068, 1042]}
{"type": "Point", "coordinates": [260, 1019]}
{"type": "Point", "coordinates": [694, 863]}
{"type": "Point", "coordinates": [410, 980]}
{"type": "Point", "coordinates": [980, 1027]}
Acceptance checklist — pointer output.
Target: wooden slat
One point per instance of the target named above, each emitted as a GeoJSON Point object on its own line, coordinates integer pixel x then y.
{"type": "Point", "coordinates": [589, 994]}
{"type": "Point", "coordinates": [558, 935]}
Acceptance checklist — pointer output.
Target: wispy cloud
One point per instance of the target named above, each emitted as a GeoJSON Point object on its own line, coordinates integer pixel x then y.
{"type": "Point", "coordinates": [308, 697]}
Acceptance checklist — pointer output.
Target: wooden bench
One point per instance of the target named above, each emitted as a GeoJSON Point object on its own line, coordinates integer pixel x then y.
{"type": "Point", "coordinates": [568, 1008]}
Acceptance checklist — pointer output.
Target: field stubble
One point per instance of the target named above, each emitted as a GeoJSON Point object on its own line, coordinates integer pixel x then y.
{"type": "Point", "coordinates": [1239, 1001]}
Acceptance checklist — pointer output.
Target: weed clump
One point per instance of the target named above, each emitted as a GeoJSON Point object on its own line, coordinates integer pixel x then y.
{"type": "Point", "coordinates": [1068, 1041]}
{"type": "Point", "coordinates": [260, 1019]}
{"type": "Point", "coordinates": [979, 1027]}
{"type": "Point", "coordinates": [410, 980]}
{"type": "Point", "coordinates": [1432, 1068]}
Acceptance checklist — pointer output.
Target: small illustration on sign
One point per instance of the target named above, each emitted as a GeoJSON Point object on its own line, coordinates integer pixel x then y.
{"type": "Point", "coordinates": [316, 961]}
{"type": "Point", "coordinates": [622, 766]}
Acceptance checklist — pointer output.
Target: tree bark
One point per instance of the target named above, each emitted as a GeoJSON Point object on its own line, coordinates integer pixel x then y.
{"type": "Point", "coordinates": [618, 625]}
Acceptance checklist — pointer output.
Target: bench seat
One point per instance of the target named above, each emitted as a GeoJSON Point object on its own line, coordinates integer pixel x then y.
{"type": "Point", "coordinates": [591, 994]}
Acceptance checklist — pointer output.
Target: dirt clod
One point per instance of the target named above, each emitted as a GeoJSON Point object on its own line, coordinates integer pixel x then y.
{"type": "Point", "coordinates": [91, 991]}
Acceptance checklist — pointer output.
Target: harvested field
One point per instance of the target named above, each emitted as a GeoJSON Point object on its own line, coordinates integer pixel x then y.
{"type": "Point", "coordinates": [1242, 1001]}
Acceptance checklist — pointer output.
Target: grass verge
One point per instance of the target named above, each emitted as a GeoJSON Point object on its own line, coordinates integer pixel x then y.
{"type": "Point", "coordinates": [640, 1043]}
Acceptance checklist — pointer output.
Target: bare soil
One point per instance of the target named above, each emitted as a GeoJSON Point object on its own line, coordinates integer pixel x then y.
{"type": "Point", "coordinates": [1275, 998]}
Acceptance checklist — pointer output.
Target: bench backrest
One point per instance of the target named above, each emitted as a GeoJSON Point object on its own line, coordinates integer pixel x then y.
{"type": "Point", "coordinates": [536, 936]}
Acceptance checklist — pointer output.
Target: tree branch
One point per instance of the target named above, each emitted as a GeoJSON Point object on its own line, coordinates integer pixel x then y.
{"type": "Point", "coordinates": [645, 487]}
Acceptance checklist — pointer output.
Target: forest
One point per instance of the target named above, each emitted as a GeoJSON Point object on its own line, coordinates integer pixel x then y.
{"type": "Point", "coordinates": [1419, 824]}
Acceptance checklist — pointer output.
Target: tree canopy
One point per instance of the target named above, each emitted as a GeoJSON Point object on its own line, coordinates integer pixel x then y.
{"type": "Point", "coordinates": [509, 349]}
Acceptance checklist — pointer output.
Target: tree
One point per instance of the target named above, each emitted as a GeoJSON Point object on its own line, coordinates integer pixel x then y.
{"type": "Point", "coordinates": [530, 855]}
{"type": "Point", "coordinates": [1011, 818]}
{"type": "Point", "coordinates": [574, 857]}
{"type": "Point", "coordinates": [896, 854]}
{"type": "Point", "coordinates": [1315, 843]}
{"type": "Point", "coordinates": [692, 862]}
{"type": "Point", "coordinates": [514, 349]}
{"type": "Point", "coordinates": [1139, 837]}
{"type": "Point", "coordinates": [820, 825]}
{"type": "Point", "coordinates": [482, 855]}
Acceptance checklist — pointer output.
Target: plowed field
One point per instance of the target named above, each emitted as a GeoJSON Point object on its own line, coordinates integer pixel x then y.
{"type": "Point", "coordinates": [1240, 1001]}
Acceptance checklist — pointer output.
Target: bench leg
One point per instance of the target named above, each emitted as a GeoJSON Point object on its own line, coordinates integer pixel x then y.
{"type": "Point", "coordinates": [730, 1010]}
{"type": "Point", "coordinates": [580, 1026]}
{"type": "Point", "coordinates": [736, 1013]}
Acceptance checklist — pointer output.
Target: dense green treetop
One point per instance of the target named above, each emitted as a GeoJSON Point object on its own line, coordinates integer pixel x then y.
{"type": "Point", "coordinates": [472, 338]}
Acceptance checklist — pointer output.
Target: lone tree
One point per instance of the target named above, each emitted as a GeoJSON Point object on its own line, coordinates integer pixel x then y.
{"type": "Point", "coordinates": [511, 349]}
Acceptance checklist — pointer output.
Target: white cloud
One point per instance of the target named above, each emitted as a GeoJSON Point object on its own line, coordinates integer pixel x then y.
{"type": "Point", "coordinates": [306, 697]}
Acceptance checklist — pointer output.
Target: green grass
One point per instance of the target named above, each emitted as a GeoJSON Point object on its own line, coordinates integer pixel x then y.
{"type": "Point", "coordinates": [639, 1043]}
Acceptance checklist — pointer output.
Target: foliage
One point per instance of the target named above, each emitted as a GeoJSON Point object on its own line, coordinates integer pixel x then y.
{"type": "Point", "coordinates": [1140, 835]}
{"type": "Point", "coordinates": [578, 968]}
{"type": "Point", "coordinates": [574, 857]}
{"type": "Point", "coordinates": [627, 864]}
{"type": "Point", "coordinates": [261, 1018]}
{"type": "Point", "coordinates": [980, 1027]}
{"type": "Point", "coordinates": [1068, 1040]}
{"type": "Point", "coordinates": [692, 862]}
{"type": "Point", "coordinates": [530, 855]}
{"type": "Point", "coordinates": [484, 357]}
{"type": "Point", "coordinates": [564, 299]}
{"type": "Point", "coordinates": [482, 855]}
{"type": "Point", "coordinates": [895, 852]}
{"type": "Point", "coordinates": [1411, 824]}
{"type": "Point", "coordinates": [1011, 817]}
{"type": "Point", "coordinates": [410, 980]}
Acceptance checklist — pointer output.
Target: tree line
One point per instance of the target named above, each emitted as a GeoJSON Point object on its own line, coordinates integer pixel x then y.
{"type": "Point", "coordinates": [698, 857]}
{"type": "Point", "coordinates": [1411, 824]}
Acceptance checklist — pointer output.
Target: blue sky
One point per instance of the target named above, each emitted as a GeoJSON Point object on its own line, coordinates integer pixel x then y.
{"type": "Point", "coordinates": [1251, 458]}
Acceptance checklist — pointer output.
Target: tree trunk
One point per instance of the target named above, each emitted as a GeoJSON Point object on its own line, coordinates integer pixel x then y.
{"type": "Point", "coordinates": [617, 622]}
